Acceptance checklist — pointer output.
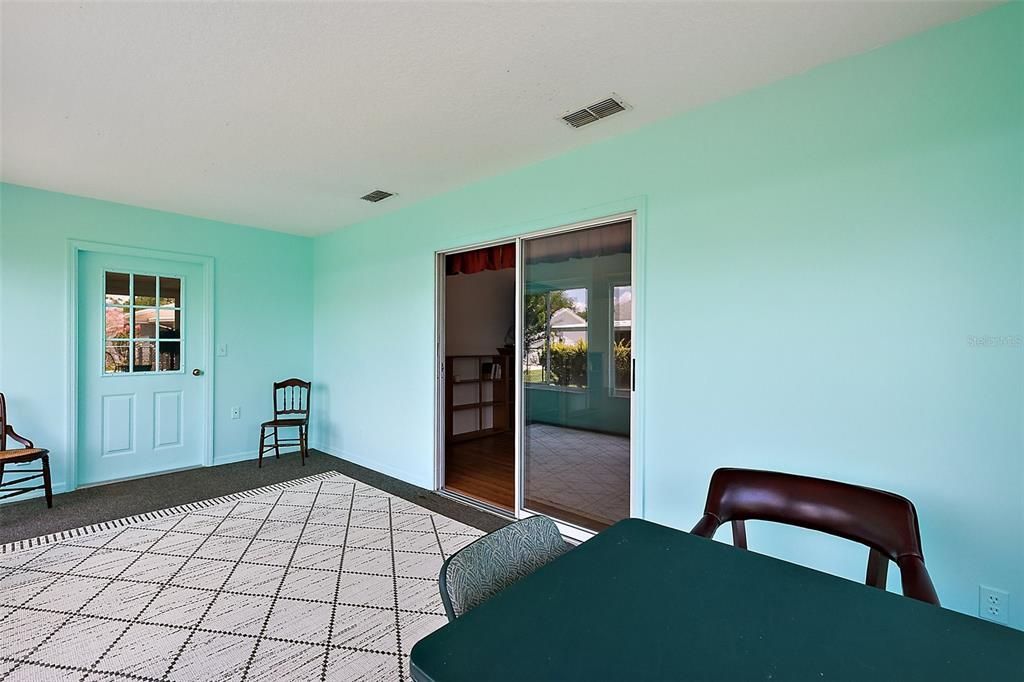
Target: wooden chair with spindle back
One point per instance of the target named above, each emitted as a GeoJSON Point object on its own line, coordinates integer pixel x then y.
{"type": "Point", "coordinates": [28, 453]}
{"type": "Point", "coordinates": [291, 410]}
{"type": "Point", "coordinates": [885, 522]}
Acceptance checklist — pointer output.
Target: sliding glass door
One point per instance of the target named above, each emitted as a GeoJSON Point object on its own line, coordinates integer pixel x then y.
{"type": "Point", "coordinates": [576, 341]}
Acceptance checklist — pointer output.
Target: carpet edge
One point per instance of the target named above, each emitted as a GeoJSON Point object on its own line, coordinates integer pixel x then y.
{"type": "Point", "coordinates": [84, 531]}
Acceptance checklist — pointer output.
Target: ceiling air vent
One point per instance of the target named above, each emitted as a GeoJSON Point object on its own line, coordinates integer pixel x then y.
{"type": "Point", "coordinates": [377, 195]}
{"type": "Point", "coordinates": [594, 112]}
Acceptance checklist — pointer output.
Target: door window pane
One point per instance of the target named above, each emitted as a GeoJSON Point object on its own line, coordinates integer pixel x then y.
{"type": "Point", "coordinates": [576, 437]}
{"type": "Point", "coordinates": [118, 288]}
{"type": "Point", "coordinates": [145, 356]}
{"type": "Point", "coordinates": [133, 323]}
{"type": "Point", "coordinates": [170, 291]}
{"type": "Point", "coordinates": [170, 356]}
{"type": "Point", "coordinates": [145, 323]}
{"type": "Point", "coordinates": [170, 320]}
{"type": "Point", "coordinates": [116, 324]}
{"type": "Point", "coordinates": [145, 289]}
{"type": "Point", "coordinates": [115, 357]}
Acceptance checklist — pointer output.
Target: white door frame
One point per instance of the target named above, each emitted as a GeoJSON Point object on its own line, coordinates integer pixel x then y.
{"type": "Point", "coordinates": [636, 496]}
{"type": "Point", "coordinates": [439, 364]}
{"type": "Point", "coordinates": [75, 248]}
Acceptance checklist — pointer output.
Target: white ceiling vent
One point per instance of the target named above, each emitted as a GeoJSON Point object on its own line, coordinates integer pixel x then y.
{"type": "Point", "coordinates": [595, 112]}
{"type": "Point", "coordinates": [377, 195]}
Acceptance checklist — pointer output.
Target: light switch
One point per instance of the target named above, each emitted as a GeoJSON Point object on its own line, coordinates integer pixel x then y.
{"type": "Point", "coordinates": [222, 349]}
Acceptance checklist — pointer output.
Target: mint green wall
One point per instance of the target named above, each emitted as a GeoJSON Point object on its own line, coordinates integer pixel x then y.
{"type": "Point", "coordinates": [262, 283]}
{"type": "Point", "coordinates": [814, 256]}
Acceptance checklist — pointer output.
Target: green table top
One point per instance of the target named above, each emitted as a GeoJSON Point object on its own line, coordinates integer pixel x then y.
{"type": "Point", "coordinates": [645, 602]}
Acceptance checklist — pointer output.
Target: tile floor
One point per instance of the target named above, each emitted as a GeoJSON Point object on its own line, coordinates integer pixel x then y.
{"type": "Point", "coordinates": [584, 473]}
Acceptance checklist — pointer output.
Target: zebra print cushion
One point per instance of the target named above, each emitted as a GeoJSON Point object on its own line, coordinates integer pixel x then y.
{"type": "Point", "coordinates": [495, 561]}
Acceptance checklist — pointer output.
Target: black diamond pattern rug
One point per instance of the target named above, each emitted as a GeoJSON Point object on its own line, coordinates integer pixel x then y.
{"type": "Point", "coordinates": [322, 578]}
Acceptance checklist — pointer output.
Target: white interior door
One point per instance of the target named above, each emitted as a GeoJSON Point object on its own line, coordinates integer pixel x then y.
{"type": "Point", "coordinates": [141, 380]}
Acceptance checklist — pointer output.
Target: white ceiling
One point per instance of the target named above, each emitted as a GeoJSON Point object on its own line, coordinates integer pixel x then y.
{"type": "Point", "coordinates": [281, 115]}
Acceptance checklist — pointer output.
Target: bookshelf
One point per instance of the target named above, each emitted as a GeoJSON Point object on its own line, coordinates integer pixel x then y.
{"type": "Point", "coordinates": [478, 396]}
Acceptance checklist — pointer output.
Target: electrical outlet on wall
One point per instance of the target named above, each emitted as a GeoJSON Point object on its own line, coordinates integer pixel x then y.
{"type": "Point", "coordinates": [993, 604]}
{"type": "Point", "coordinates": [236, 412]}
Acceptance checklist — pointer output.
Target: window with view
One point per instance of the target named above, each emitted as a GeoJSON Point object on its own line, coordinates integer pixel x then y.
{"type": "Point", "coordinates": [622, 337]}
{"type": "Point", "coordinates": [556, 338]}
{"type": "Point", "coordinates": [142, 323]}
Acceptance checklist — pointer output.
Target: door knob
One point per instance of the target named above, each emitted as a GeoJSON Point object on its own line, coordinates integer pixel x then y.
{"type": "Point", "coordinates": [197, 372]}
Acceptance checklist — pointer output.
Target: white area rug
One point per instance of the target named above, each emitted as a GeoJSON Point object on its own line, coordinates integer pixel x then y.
{"type": "Point", "coordinates": [322, 578]}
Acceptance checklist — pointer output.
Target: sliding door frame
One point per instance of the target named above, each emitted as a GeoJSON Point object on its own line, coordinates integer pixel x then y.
{"type": "Point", "coordinates": [635, 500]}
{"type": "Point", "coordinates": [636, 496]}
{"type": "Point", "coordinates": [440, 357]}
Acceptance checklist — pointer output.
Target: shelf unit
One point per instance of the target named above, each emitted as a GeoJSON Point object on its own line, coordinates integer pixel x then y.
{"type": "Point", "coordinates": [476, 403]}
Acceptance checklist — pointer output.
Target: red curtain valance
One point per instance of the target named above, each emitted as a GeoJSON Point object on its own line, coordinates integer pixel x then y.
{"type": "Point", "coordinates": [489, 258]}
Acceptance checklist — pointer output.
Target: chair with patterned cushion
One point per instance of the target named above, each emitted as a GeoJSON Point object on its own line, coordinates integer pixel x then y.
{"type": "Point", "coordinates": [486, 566]}
{"type": "Point", "coordinates": [29, 453]}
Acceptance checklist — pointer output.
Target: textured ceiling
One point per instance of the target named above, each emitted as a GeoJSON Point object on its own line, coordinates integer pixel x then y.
{"type": "Point", "coordinates": [281, 115]}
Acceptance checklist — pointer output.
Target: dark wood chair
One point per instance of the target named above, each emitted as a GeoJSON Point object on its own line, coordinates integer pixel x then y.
{"type": "Point", "coordinates": [885, 522]}
{"type": "Point", "coordinates": [291, 410]}
{"type": "Point", "coordinates": [29, 453]}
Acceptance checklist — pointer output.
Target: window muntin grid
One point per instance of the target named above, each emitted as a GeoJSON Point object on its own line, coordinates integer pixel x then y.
{"type": "Point", "coordinates": [143, 323]}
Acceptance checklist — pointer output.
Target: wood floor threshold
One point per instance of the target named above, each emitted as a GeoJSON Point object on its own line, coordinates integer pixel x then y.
{"type": "Point", "coordinates": [484, 505]}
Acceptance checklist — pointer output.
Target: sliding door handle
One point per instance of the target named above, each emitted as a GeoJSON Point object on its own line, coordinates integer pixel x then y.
{"type": "Point", "coordinates": [633, 374]}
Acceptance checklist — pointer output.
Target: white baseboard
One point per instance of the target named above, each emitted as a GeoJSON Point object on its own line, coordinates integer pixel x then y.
{"type": "Point", "coordinates": [235, 457]}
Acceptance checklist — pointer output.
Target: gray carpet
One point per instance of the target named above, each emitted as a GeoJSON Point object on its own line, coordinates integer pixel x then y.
{"type": "Point", "coordinates": [88, 506]}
